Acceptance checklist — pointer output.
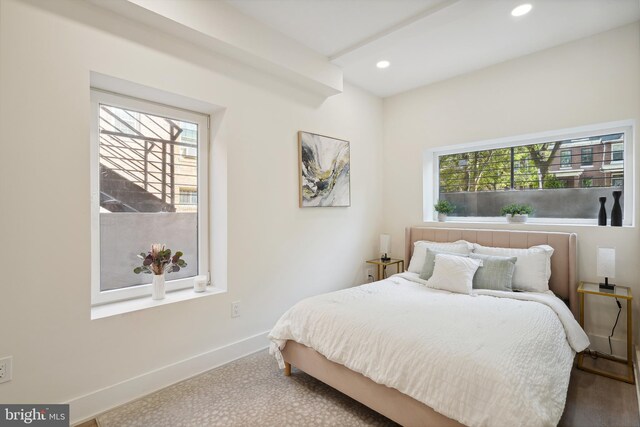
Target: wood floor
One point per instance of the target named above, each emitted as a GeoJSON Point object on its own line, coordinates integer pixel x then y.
{"type": "Point", "coordinates": [594, 400]}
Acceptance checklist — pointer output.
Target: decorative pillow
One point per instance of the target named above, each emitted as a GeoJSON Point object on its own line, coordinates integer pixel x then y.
{"type": "Point", "coordinates": [496, 272]}
{"type": "Point", "coordinates": [420, 251]}
{"type": "Point", "coordinates": [430, 260]}
{"type": "Point", "coordinates": [533, 266]}
{"type": "Point", "coordinates": [454, 273]}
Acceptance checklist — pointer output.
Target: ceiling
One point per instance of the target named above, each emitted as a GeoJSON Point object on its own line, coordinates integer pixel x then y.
{"type": "Point", "coordinates": [431, 40]}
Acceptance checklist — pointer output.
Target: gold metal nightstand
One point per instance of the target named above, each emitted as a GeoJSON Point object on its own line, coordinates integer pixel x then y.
{"type": "Point", "coordinates": [382, 265]}
{"type": "Point", "coordinates": [620, 292]}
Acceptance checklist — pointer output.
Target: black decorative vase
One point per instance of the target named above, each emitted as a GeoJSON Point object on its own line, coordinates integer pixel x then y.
{"type": "Point", "coordinates": [616, 212]}
{"type": "Point", "coordinates": [602, 215]}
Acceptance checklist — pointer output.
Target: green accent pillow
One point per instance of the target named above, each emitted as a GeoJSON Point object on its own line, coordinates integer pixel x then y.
{"type": "Point", "coordinates": [430, 261]}
{"type": "Point", "coordinates": [496, 272]}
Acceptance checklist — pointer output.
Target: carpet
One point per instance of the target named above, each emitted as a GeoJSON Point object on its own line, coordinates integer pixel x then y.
{"type": "Point", "coordinates": [252, 391]}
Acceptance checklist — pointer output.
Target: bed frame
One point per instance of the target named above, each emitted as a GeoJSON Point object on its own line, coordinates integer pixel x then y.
{"type": "Point", "coordinates": [390, 402]}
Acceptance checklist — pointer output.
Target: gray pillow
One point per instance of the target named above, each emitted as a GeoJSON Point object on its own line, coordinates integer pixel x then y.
{"type": "Point", "coordinates": [430, 261]}
{"type": "Point", "coordinates": [496, 272]}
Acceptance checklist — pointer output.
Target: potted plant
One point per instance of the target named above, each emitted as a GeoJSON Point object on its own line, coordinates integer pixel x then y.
{"type": "Point", "coordinates": [159, 261]}
{"type": "Point", "coordinates": [517, 212]}
{"type": "Point", "coordinates": [444, 208]}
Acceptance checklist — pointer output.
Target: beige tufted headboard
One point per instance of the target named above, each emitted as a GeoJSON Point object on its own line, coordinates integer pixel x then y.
{"type": "Point", "coordinates": [564, 275]}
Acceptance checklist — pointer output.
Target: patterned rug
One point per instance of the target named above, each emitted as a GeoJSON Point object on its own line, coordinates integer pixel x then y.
{"type": "Point", "coordinates": [251, 391]}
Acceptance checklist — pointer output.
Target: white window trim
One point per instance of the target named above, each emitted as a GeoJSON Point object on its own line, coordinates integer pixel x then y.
{"type": "Point", "coordinates": [430, 171]}
{"type": "Point", "coordinates": [123, 101]}
{"type": "Point", "coordinates": [612, 151]}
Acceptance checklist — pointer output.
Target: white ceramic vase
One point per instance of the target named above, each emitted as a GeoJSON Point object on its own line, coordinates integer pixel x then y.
{"type": "Point", "coordinates": [157, 287]}
{"type": "Point", "coordinates": [442, 217]}
{"type": "Point", "coordinates": [517, 218]}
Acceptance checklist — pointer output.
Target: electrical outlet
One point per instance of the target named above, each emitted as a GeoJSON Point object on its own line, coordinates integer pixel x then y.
{"type": "Point", "coordinates": [370, 275]}
{"type": "Point", "coordinates": [235, 309]}
{"type": "Point", "coordinates": [5, 369]}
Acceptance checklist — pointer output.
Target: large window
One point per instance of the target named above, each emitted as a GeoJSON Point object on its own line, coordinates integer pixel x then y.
{"type": "Point", "coordinates": [145, 190]}
{"type": "Point", "coordinates": [561, 175]}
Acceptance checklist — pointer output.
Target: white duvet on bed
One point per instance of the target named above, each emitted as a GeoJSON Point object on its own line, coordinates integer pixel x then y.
{"type": "Point", "coordinates": [489, 359]}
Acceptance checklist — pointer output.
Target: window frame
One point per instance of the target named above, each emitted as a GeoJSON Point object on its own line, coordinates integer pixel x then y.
{"type": "Point", "coordinates": [187, 191]}
{"type": "Point", "coordinates": [562, 157]}
{"type": "Point", "coordinates": [431, 166]}
{"type": "Point", "coordinates": [613, 160]}
{"type": "Point", "coordinates": [586, 151]}
{"type": "Point", "coordinates": [99, 96]}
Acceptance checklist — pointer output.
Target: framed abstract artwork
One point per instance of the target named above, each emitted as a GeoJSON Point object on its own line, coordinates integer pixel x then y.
{"type": "Point", "coordinates": [324, 164]}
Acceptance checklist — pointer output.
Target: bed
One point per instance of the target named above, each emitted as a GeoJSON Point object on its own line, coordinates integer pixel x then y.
{"type": "Point", "coordinates": [422, 363]}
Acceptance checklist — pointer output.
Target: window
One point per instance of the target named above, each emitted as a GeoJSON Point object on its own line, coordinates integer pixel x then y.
{"type": "Point", "coordinates": [586, 156]}
{"type": "Point", "coordinates": [189, 137]}
{"type": "Point", "coordinates": [144, 191]}
{"type": "Point", "coordinates": [123, 120]}
{"type": "Point", "coordinates": [617, 152]}
{"type": "Point", "coordinates": [188, 196]}
{"type": "Point", "coordinates": [544, 171]}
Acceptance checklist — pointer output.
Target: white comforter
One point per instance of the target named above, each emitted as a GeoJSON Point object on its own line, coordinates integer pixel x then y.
{"type": "Point", "coordinates": [489, 359]}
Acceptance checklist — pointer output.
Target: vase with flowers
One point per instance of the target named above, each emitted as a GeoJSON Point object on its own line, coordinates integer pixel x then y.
{"type": "Point", "coordinates": [159, 261]}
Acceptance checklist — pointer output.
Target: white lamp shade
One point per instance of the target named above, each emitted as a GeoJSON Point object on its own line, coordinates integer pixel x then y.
{"type": "Point", "coordinates": [385, 243]}
{"type": "Point", "coordinates": [606, 262]}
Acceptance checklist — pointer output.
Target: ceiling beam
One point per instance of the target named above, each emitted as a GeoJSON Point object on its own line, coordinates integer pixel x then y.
{"type": "Point", "coordinates": [430, 11]}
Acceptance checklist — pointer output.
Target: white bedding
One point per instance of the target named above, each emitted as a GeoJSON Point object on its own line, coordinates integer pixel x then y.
{"type": "Point", "coordinates": [489, 359]}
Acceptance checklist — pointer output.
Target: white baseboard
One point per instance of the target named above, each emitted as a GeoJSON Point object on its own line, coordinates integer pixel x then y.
{"type": "Point", "coordinates": [88, 406]}
{"type": "Point", "coordinates": [601, 343]}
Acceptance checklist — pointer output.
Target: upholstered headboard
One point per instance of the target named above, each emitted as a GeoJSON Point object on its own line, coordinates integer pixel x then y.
{"type": "Point", "coordinates": [564, 275]}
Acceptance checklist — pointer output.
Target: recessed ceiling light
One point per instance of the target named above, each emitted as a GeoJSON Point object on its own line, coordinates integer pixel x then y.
{"type": "Point", "coordinates": [521, 10]}
{"type": "Point", "coordinates": [383, 64]}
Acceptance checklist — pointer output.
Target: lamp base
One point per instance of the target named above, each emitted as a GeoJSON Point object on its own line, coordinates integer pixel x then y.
{"type": "Point", "coordinates": [607, 287]}
{"type": "Point", "coordinates": [385, 258]}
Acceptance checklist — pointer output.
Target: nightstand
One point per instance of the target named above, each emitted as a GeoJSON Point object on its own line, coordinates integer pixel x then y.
{"type": "Point", "coordinates": [382, 266]}
{"type": "Point", "coordinates": [621, 293]}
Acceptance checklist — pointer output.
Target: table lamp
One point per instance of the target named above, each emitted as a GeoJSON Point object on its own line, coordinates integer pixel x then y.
{"type": "Point", "coordinates": [606, 266]}
{"type": "Point", "coordinates": [385, 247]}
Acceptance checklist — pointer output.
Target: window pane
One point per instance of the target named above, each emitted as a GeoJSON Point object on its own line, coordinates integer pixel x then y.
{"type": "Point", "coordinates": [587, 156]}
{"type": "Point", "coordinates": [559, 179]}
{"type": "Point", "coordinates": [142, 170]}
{"type": "Point", "coordinates": [617, 152]}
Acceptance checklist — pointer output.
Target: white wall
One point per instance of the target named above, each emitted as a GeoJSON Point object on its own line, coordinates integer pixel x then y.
{"type": "Point", "coordinates": [590, 81]}
{"type": "Point", "coordinates": [277, 252]}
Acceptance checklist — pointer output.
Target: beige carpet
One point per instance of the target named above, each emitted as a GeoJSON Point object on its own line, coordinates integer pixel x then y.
{"type": "Point", "coordinates": [253, 392]}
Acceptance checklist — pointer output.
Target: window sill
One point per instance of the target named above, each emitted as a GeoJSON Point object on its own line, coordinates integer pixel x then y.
{"type": "Point", "coordinates": [530, 222]}
{"type": "Point", "coordinates": [137, 304]}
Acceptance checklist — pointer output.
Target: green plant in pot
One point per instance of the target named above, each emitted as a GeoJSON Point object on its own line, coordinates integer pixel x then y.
{"type": "Point", "coordinates": [444, 208]}
{"type": "Point", "coordinates": [517, 212]}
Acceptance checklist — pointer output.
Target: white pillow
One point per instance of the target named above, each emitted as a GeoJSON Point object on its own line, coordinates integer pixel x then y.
{"type": "Point", "coordinates": [454, 273]}
{"type": "Point", "coordinates": [533, 266]}
{"type": "Point", "coordinates": [420, 251]}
